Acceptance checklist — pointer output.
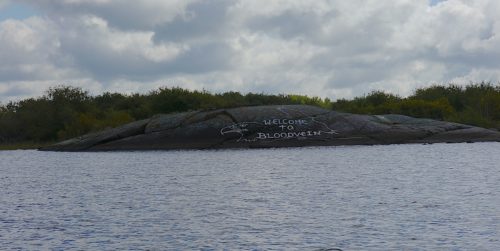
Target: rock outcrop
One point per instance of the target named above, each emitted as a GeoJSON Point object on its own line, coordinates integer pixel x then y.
{"type": "Point", "coordinates": [272, 126]}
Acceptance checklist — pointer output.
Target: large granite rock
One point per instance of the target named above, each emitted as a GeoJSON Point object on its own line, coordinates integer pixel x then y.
{"type": "Point", "coordinates": [272, 126]}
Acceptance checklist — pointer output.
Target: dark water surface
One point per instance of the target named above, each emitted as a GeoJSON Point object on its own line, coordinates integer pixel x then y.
{"type": "Point", "coordinates": [416, 197]}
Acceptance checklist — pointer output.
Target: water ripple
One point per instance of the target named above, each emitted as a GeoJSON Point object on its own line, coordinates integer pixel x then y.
{"type": "Point", "coordinates": [418, 197]}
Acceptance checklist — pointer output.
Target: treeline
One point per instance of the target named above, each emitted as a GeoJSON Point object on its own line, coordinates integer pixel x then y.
{"type": "Point", "coordinates": [65, 112]}
{"type": "Point", "coordinates": [474, 104]}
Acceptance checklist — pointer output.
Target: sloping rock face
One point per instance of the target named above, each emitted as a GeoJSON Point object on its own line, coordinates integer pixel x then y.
{"type": "Point", "coordinates": [272, 126]}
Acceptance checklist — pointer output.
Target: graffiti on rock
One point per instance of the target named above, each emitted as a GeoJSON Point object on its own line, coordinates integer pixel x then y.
{"type": "Point", "coordinates": [278, 129]}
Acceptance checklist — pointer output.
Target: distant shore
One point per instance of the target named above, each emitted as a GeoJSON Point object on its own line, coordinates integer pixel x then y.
{"type": "Point", "coordinates": [22, 146]}
{"type": "Point", "coordinates": [66, 112]}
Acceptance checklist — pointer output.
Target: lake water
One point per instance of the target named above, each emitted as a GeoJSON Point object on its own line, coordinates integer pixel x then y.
{"type": "Point", "coordinates": [413, 197]}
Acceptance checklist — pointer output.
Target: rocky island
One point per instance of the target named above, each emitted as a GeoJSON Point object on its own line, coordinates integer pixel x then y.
{"type": "Point", "coordinates": [272, 126]}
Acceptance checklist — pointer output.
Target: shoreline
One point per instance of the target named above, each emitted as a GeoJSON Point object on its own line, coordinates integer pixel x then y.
{"type": "Point", "coordinates": [23, 146]}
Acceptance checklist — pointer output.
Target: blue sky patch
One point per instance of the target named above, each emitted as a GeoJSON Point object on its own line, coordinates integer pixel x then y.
{"type": "Point", "coordinates": [434, 2]}
{"type": "Point", "coordinates": [16, 11]}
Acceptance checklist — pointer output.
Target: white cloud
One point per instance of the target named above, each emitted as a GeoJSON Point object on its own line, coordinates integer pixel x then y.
{"type": "Point", "coordinates": [486, 75]}
{"type": "Point", "coordinates": [135, 43]}
{"type": "Point", "coordinates": [123, 14]}
{"type": "Point", "coordinates": [30, 51]}
{"type": "Point", "coordinates": [329, 48]}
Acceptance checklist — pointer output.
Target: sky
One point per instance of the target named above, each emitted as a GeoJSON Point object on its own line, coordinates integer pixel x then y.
{"type": "Point", "coordinates": [326, 48]}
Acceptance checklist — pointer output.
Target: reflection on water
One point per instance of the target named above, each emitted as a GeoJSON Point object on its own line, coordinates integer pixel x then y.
{"type": "Point", "coordinates": [431, 197]}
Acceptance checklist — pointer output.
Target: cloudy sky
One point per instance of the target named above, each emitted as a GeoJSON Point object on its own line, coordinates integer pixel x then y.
{"type": "Point", "coordinates": [327, 48]}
